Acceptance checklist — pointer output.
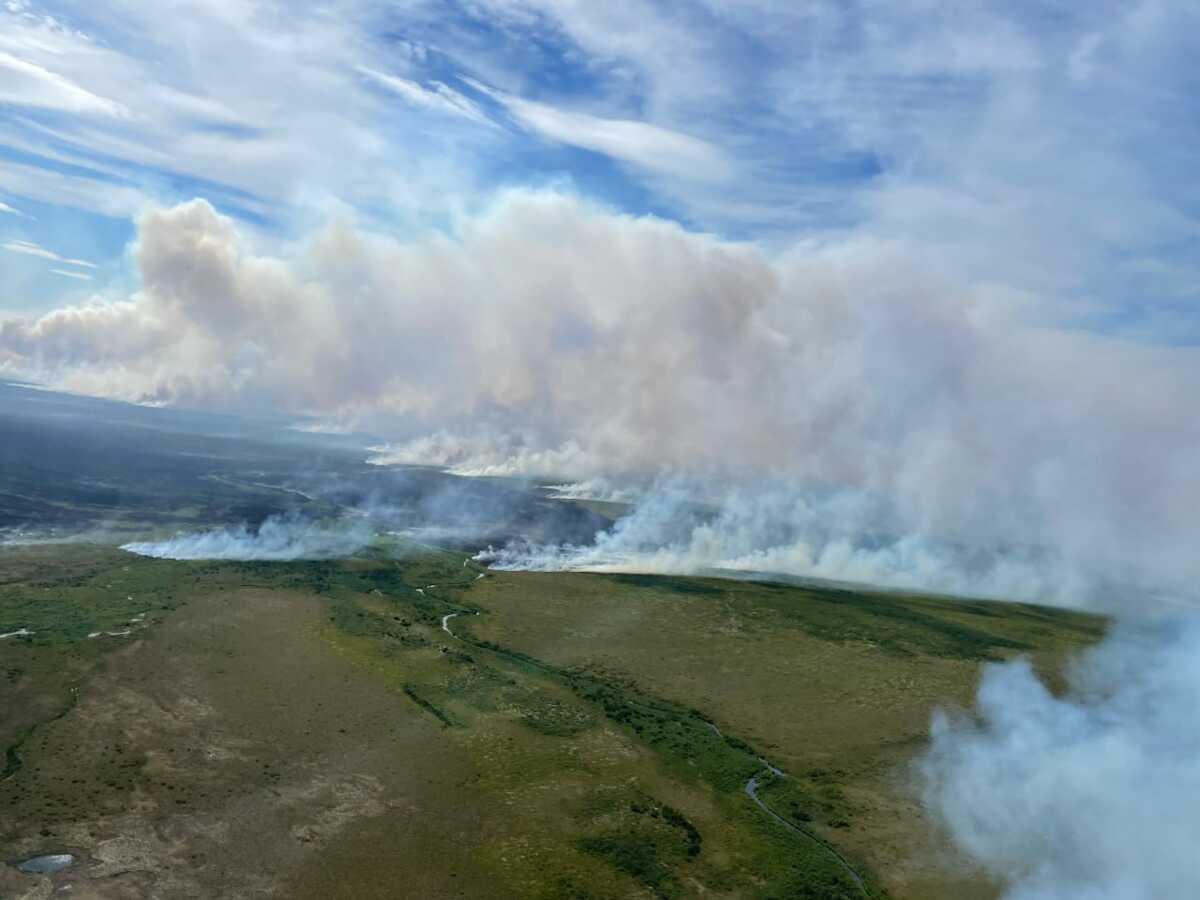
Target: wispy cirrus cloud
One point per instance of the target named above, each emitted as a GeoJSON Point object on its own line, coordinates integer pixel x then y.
{"type": "Point", "coordinates": [26, 83]}
{"type": "Point", "coordinates": [640, 143]}
{"type": "Point", "coordinates": [30, 249]}
{"type": "Point", "coordinates": [982, 130]}
{"type": "Point", "coordinates": [438, 96]}
{"type": "Point", "coordinates": [258, 108]}
{"type": "Point", "coordinates": [66, 273]}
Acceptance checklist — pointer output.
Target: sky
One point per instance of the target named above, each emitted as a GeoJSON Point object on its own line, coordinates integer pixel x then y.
{"type": "Point", "coordinates": [1046, 145]}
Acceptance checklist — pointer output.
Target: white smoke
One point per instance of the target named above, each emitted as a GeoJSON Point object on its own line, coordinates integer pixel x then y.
{"type": "Point", "coordinates": [605, 490]}
{"type": "Point", "coordinates": [548, 337]}
{"type": "Point", "coordinates": [774, 528]}
{"type": "Point", "coordinates": [278, 538]}
{"type": "Point", "coordinates": [1087, 796]}
{"type": "Point", "coordinates": [845, 410]}
{"type": "Point", "coordinates": [494, 456]}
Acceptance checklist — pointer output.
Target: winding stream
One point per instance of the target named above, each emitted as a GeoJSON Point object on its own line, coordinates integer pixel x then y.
{"type": "Point", "coordinates": [446, 623]}
{"type": "Point", "coordinates": [750, 788]}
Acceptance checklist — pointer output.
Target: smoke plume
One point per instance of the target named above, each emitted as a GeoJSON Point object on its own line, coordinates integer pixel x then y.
{"type": "Point", "coordinates": [1087, 796]}
{"type": "Point", "coordinates": [681, 526]}
{"type": "Point", "coordinates": [276, 538]}
{"type": "Point", "coordinates": [545, 336]}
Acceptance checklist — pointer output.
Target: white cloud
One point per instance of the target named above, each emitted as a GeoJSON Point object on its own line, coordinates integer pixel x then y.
{"type": "Point", "coordinates": [809, 99]}
{"type": "Point", "coordinates": [75, 191]}
{"type": "Point", "coordinates": [12, 211]}
{"type": "Point", "coordinates": [438, 97]}
{"type": "Point", "coordinates": [23, 83]}
{"type": "Point", "coordinates": [31, 249]}
{"type": "Point", "coordinates": [264, 105]}
{"type": "Point", "coordinates": [66, 273]}
{"type": "Point", "coordinates": [640, 143]}
{"type": "Point", "coordinates": [795, 105]}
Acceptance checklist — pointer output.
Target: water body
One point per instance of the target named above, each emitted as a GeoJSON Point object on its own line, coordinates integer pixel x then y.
{"type": "Point", "coordinates": [751, 789]}
{"type": "Point", "coordinates": [46, 865]}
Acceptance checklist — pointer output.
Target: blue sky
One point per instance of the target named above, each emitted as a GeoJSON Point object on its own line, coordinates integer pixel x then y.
{"type": "Point", "coordinates": [1046, 146]}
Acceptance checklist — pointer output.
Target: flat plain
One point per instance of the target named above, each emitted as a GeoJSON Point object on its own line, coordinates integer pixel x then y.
{"type": "Point", "coordinates": [322, 729]}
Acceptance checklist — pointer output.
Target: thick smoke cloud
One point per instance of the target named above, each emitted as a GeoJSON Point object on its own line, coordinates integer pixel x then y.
{"type": "Point", "coordinates": [545, 336]}
{"type": "Point", "coordinates": [1088, 796]}
{"type": "Point", "coordinates": [487, 455]}
{"type": "Point", "coordinates": [679, 525]}
{"type": "Point", "coordinates": [276, 538]}
{"type": "Point", "coordinates": [598, 488]}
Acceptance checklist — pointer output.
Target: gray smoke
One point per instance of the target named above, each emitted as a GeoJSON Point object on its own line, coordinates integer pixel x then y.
{"type": "Point", "coordinates": [277, 538]}
{"type": "Point", "coordinates": [685, 525]}
{"type": "Point", "coordinates": [1086, 796]}
{"type": "Point", "coordinates": [548, 337]}
{"type": "Point", "coordinates": [605, 490]}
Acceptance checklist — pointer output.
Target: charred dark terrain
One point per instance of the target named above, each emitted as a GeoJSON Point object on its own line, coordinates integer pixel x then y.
{"type": "Point", "coordinates": [405, 723]}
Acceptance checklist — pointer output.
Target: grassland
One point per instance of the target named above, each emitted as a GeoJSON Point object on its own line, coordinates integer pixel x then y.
{"type": "Point", "coordinates": [312, 729]}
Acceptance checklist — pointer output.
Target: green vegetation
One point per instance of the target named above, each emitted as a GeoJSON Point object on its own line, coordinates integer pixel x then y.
{"type": "Point", "coordinates": [689, 746]}
{"type": "Point", "coordinates": [901, 624]}
{"type": "Point", "coordinates": [563, 742]}
{"type": "Point", "coordinates": [668, 583]}
{"type": "Point", "coordinates": [98, 590]}
{"type": "Point", "coordinates": [811, 797]}
{"type": "Point", "coordinates": [644, 838]}
{"type": "Point", "coordinates": [438, 714]}
{"type": "Point", "coordinates": [634, 853]}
